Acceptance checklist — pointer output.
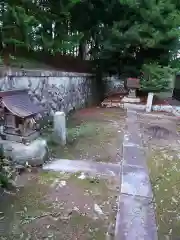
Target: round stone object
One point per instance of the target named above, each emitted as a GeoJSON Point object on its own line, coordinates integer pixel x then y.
{"type": "Point", "coordinates": [34, 154]}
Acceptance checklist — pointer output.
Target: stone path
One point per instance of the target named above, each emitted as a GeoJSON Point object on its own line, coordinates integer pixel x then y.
{"type": "Point", "coordinates": [90, 167]}
{"type": "Point", "coordinates": [135, 219]}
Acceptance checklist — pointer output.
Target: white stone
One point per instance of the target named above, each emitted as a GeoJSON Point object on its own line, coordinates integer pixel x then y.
{"type": "Point", "coordinates": [34, 154]}
{"type": "Point", "coordinates": [98, 209]}
{"type": "Point", "coordinates": [149, 102]}
{"type": "Point", "coordinates": [60, 127]}
{"type": "Point", "coordinates": [82, 176]}
{"type": "Point", "coordinates": [131, 98]}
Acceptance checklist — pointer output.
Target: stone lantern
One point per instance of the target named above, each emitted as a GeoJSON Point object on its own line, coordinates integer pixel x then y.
{"type": "Point", "coordinates": [132, 84]}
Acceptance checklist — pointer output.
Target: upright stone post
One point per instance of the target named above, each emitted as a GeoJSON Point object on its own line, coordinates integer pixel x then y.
{"type": "Point", "coordinates": [149, 102]}
{"type": "Point", "coordinates": [60, 127]}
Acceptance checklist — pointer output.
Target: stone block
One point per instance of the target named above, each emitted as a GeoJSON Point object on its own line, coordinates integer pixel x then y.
{"type": "Point", "coordinates": [60, 128]}
{"type": "Point", "coordinates": [132, 138]}
{"type": "Point", "coordinates": [135, 181]}
{"type": "Point", "coordinates": [132, 155]}
{"type": "Point", "coordinates": [35, 154]}
{"type": "Point", "coordinates": [135, 219]}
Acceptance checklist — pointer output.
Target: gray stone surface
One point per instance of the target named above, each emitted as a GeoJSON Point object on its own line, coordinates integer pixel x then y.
{"type": "Point", "coordinates": [113, 84]}
{"type": "Point", "coordinates": [131, 115]}
{"type": "Point", "coordinates": [135, 181]}
{"type": "Point", "coordinates": [136, 219]}
{"type": "Point", "coordinates": [60, 133]}
{"type": "Point", "coordinates": [132, 155]}
{"type": "Point", "coordinates": [65, 165]}
{"type": "Point", "coordinates": [132, 137]}
{"type": "Point", "coordinates": [54, 90]}
{"type": "Point", "coordinates": [35, 154]}
{"type": "Point", "coordinates": [57, 90]}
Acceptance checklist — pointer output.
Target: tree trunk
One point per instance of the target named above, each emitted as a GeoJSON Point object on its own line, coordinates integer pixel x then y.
{"type": "Point", "coordinates": [82, 49]}
{"type": "Point", "coordinates": [100, 86]}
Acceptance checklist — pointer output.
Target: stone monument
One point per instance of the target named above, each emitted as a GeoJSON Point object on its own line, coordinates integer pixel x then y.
{"type": "Point", "coordinates": [132, 84]}
{"type": "Point", "coordinates": [60, 128]}
{"type": "Point", "coordinates": [149, 102]}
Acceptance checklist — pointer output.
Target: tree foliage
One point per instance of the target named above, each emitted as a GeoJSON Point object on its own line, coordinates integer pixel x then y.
{"type": "Point", "coordinates": [122, 35]}
{"type": "Point", "coordinates": [156, 78]}
{"type": "Point", "coordinates": [37, 25]}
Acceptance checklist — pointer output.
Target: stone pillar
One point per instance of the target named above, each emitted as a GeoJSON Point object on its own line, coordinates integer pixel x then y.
{"type": "Point", "coordinates": [60, 127]}
{"type": "Point", "coordinates": [149, 102]}
{"type": "Point", "coordinates": [132, 93]}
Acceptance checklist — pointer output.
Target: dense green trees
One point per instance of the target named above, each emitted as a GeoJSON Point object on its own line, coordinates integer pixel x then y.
{"type": "Point", "coordinates": [37, 25]}
{"type": "Point", "coordinates": [122, 35]}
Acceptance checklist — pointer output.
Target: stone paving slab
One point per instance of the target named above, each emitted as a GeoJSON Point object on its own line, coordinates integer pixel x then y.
{"type": "Point", "coordinates": [132, 155]}
{"type": "Point", "coordinates": [135, 219]}
{"type": "Point", "coordinates": [131, 115]}
{"type": "Point", "coordinates": [132, 126]}
{"type": "Point", "coordinates": [132, 137]}
{"type": "Point", "coordinates": [135, 181]}
{"type": "Point", "coordinates": [91, 167]}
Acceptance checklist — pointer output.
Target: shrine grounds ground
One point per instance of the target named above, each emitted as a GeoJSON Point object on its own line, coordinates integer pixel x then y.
{"type": "Point", "coordinates": [49, 205]}
{"type": "Point", "coordinates": [60, 205]}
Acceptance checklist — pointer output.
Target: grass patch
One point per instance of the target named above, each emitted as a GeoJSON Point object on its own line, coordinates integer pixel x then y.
{"type": "Point", "coordinates": [31, 203]}
{"type": "Point", "coordinates": [83, 130]}
{"type": "Point", "coordinates": [88, 138]}
{"type": "Point", "coordinates": [93, 185]}
{"type": "Point", "coordinates": [91, 229]}
{"type": "Point", "coordinates": [91, 140]}
{"type": "Point", "coordinates": [49, 177]}
{"type": "Point", "coordinates": [164, 167]}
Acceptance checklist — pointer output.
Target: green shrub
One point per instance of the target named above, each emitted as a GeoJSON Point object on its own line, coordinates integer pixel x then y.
{"type": "Point", "coordinates": [6, 171]}
{"type": "Point", "coordinates": [156, 78]}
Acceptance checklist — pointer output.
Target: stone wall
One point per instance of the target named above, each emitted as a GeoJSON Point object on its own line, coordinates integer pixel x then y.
{"type": "Point", "coordinates": [113, 84]}
{"type": "Point", "coordinates": [53, 90]}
